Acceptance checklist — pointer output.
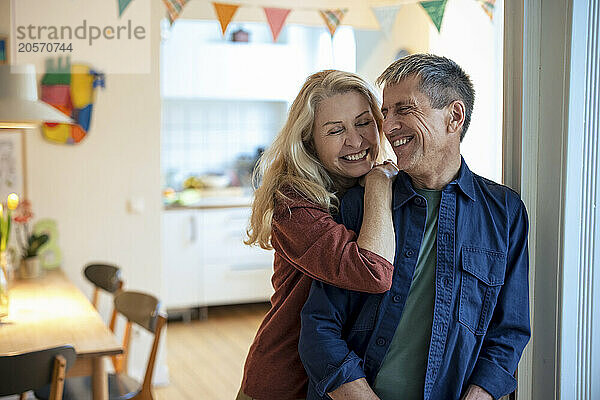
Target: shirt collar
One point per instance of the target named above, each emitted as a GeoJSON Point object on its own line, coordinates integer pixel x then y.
{"type": "Point", "coordinates": [464, 180]}
{"type": "Point", "coordinates": [404, 191]}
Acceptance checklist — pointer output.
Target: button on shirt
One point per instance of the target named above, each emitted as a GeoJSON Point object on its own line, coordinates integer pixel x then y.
{"type": "Point", "coordinates": [480, 321]}
{"type": "Point", "coordinates": [402, 374]}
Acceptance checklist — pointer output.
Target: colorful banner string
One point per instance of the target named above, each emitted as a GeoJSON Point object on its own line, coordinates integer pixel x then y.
{"type": "Point", "coordinates": [174, 9]}
{"type": "Point", "coordinates": [333, 18]}
{"type": "Point", "coordinates": [435, 10]}
{"type": "Point", "coordinates": [488, 7]}
{"type": "Point", "coordinates": [386, 17]}
{"type": "Point", "coordinates": [225, 13]}
{"type": "Point", "coordinates": [276, 17]}
{"type": "Point", "coordinates": [122, 6]}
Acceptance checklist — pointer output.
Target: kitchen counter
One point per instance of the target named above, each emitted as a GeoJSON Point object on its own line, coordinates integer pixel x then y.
{"type": "Point", "coordinates": [231, 197]}
{"type": "Point", "coordinates": [216, 202]}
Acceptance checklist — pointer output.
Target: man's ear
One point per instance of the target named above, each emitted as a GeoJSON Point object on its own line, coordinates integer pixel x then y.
{"type": "Point", "coordinates": [456, 116]}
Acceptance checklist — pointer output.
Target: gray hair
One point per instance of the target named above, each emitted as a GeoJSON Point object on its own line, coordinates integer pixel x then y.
{"type": "Point", "coordinates": [442, 80]}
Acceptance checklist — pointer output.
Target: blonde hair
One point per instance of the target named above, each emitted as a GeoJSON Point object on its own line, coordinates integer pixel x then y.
{"type": "Point", "coordinates": [291, 161]}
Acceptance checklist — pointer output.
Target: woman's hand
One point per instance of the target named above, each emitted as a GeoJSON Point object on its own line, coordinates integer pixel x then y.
{"type": "Point", "coordinates": [387, 171]}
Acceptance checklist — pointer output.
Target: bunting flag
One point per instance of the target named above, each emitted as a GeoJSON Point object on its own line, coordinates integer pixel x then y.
{"type": "Point", "coordinates": [276, 18]}
{"type": "Point", "coordinates": [386, 16]}
{"type": "Point", "coordinates": [488, 7]}
{"type": "Point", "coordinates": [174, 8]}
{"type": "Point", "coordinates": [435, 9]}
{"type": "Point", "coordinates": [122, 6]}
{"type": "Point", "coordinates": [225, 13]}
{"type": "Point", "coordinates": [333, 18]}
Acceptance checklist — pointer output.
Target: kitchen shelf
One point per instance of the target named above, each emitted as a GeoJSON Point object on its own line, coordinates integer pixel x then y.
{"type": "Point", "coordinates": [229, 71]}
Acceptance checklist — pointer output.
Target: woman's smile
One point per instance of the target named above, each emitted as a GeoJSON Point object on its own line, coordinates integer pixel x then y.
{"type": "Point", "coordinates": [354, 157]}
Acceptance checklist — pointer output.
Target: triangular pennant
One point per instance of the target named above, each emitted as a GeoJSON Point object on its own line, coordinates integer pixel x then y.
{"type": "Point", "coordinates": [386, 16]}
{"type": "Point", "coordinates": [276, 18]}
{"type": "Point", "coordinates": [225, 13]}
{"type": "Point", "coordinates": [333, 18]}
{"type": "Point", "coordinates": [122, 6]}
{"type": "Point", "coordinates": [174, 8]}
{"type": "Point", "coordinates": [488, 7]}
{"type": "Point", "coordinates": [435, 9]}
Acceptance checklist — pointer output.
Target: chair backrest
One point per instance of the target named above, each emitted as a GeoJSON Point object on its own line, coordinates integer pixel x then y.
{"type": "Point", "coordinates": [106, 277]}
{"type": "Point", "coordinates": [28, 371]}
{"type": "Point", "coordinates": [144, 310]}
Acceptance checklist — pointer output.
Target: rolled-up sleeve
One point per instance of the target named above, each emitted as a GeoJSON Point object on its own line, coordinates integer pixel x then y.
{"type": "Point", "coordinates": [327, 359]}
{"type": "Point", "coordinates": [509, 330]}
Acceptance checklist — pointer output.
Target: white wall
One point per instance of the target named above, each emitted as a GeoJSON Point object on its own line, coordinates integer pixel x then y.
{"type": "Point", "coordinates": [477, 47]}
{"type": "Point", "coordinates": [375, 50]}
{"type": "Point", "coordinates": [85, 187]}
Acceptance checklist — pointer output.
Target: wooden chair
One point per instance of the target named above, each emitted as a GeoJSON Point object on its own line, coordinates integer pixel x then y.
{"type": "Point", "coordinates": [28, 371]}
{"type": "Point", "coordinates": [138, 308]}
{"type": "Point", "coordinates": [106, 277]}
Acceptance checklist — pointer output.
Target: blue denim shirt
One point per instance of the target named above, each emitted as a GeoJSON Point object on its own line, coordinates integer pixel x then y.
{"type": "Point", "coordinates": [481, 309]}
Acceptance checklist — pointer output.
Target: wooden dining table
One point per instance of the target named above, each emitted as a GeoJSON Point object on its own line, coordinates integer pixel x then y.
{"type": "Point", "coordinates": [51, 311]}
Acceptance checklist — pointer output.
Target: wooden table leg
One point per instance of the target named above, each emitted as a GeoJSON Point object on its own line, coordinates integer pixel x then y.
{"type": "Point", "coordinates": [99, 379]}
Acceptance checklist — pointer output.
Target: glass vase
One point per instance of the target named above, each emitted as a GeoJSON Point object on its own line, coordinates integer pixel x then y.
{"type": "Point", "coordinates": [3, 287]}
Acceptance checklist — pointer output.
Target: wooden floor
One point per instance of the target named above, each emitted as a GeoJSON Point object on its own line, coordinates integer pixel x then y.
{"type": "Point", "coordinates": [206, 358]}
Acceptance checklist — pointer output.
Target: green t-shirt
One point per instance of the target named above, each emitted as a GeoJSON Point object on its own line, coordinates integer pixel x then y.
{"type": "Point", "coordinates": [402, 374]}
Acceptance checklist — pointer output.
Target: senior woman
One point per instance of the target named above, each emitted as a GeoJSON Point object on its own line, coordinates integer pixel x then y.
{"type": "Point", "coordinates": [332, 137]}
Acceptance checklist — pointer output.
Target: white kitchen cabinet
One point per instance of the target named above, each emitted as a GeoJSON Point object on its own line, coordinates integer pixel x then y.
{"type": "Point", "coordinates": [233, 272]}
{"type": "Point", "coordinates": [206, 261]}
{"type": "Point", "coordinates": [182, 259]}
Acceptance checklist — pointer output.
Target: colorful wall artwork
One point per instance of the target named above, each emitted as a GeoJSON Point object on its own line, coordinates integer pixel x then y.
{"type": "Point", "coordinates": [70, 89]}
{"type": "Point", "coordinates": [4, 49]}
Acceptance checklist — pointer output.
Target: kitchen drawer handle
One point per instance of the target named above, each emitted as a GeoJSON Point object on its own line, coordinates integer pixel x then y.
{"type": "Point", "coordinates": [193, 232]}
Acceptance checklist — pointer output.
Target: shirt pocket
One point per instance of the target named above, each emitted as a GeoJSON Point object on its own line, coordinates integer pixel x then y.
{"type": "Point", "coordinates": [482, 276]}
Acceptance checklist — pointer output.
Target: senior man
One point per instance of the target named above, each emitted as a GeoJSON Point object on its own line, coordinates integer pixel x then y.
{"type": "Point", "coordinates": [456, 320]}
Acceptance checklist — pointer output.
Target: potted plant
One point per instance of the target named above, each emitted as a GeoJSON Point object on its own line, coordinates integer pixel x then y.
{"type": "Point", "coordinates": [30, 242]}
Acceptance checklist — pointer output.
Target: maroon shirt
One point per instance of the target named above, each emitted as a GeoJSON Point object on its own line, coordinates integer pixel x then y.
{"type": "Point", "coordinates": [308, 245]}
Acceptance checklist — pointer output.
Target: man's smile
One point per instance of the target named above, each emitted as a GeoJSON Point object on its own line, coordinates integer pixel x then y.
{"type": "Point", "coordinates": [401, 141]}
